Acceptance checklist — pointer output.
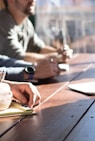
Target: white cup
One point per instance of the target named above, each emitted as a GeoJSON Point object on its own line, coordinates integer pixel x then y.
{"type": "Point", "coordinates": [5, 96]}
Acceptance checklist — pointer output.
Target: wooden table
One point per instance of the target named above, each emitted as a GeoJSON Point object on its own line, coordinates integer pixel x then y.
{"type": "Point", "coordinates": [63, 115]}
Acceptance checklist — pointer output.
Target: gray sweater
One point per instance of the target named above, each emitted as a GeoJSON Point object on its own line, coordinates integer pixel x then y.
{"type": "Point", "coordinates": [16, 40]}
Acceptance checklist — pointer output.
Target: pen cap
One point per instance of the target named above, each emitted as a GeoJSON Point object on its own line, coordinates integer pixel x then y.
{"type": "Point", "coordinates": [5, 96]}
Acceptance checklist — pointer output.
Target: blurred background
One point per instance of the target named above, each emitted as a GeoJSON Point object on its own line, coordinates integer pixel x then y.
{"type": "Point", "coordinates": [72, 21]}
{"type": "Point", "coordinates": [74, 18]}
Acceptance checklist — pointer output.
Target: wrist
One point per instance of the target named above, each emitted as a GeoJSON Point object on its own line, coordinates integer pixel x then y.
{"type": "Point", "coordinates": [27, 76]}
{"type": "Point", "coordinates": [29, 72]}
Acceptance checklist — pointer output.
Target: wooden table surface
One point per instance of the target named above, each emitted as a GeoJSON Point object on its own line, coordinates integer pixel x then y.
{"type": "Point", "coordinates": [63, 115]}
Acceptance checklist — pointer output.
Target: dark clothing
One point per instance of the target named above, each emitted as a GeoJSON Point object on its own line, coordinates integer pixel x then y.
{"type": "Point", "coordinates": [15, 72]}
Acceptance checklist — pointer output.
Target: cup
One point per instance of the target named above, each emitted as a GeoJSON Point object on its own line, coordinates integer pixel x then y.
{"type": "Point", "coordinates": [5, 96]}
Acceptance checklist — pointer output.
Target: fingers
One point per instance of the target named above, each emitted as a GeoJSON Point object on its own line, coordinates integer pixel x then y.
{"type": "Point", "coordinates": [20, 97]}
{"type": "Point", "coordinates": [34, 97]}
{"type": "Point", "coordinates": [55, 67]}
{"type": "Point", "coordinates": [65, 55]}
{"type": "Point", "coordinates": [68, 53]}
{"type": "Point", "coordinates": [53, 60]}
{"type": "Point", "coordinates": [47, 68]}
{"type": "Point", "coordinates": [26, 93]}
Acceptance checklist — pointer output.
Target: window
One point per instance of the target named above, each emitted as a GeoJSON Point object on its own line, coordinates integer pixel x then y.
{"type": "Point", "coordinates": [76, 19]}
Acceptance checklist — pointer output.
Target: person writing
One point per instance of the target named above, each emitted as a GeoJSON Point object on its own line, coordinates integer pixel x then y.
{"type": "Point", "coordinates": [18, 38]}
{"type": "Point", "coordinates": [23, 92]}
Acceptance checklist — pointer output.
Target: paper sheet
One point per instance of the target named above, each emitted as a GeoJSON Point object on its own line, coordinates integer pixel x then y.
{"type": "Point", "coordinates": [87, 88]}
{"type": "Point", "coordinates": [16, 109]}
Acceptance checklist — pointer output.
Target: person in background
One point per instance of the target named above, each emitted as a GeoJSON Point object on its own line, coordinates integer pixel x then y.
{"type": "Point", "coordinates": [18, 38]}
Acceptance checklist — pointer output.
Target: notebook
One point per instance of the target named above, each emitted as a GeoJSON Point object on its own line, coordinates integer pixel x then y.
{"type": "Point", "coordinates": [87, 88]}
{"type": "Point", "coordinates": [16, 109]}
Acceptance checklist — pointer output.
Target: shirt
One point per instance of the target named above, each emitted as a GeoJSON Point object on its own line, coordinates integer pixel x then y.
{"type": "Point", "coordinates": [14, 69]}
{"type": "Point", "coordinates": [16, 40]}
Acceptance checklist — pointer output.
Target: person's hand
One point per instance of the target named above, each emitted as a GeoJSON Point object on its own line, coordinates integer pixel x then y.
{"type": "Point", "coordinates": [26, 93]}
{"type": "Point", "coordinates": [65, 53]}
{"type": "Point", "coordinates": [47, 68]}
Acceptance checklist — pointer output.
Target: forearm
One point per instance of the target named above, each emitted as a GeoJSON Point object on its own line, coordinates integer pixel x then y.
{"type": "Point", "coordinates": [33, 57]}
{"type": "Point", "coordinates": [48, 49]}
{"type": "Point", "coordinates": [10, 62]}
{"type": "Point", "coordinates": [14, 74]}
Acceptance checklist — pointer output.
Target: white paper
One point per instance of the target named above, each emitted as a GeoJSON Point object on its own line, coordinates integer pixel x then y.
{"type": "Point", "coordinates": [87, 88]}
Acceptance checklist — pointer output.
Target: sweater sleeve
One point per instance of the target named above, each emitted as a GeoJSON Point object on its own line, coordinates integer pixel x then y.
{"type": "Point", "coordinates": [10, 62]}
{"type": "Point", "coordinates": [13, 68]}
{"type": "Point", "coordinates": [12, 74]}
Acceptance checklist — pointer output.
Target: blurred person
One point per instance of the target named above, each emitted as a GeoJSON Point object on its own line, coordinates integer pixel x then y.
{"type": "Point", "coordinates": [19, 70]}
{"type": "Point", "coordinates": [18, 38]}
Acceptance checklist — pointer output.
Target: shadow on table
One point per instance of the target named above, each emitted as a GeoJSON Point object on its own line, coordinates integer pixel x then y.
{"type": "Point", "coordinates": [65, 77]}
{"type": "Point", "coordinates": [55, 123]}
